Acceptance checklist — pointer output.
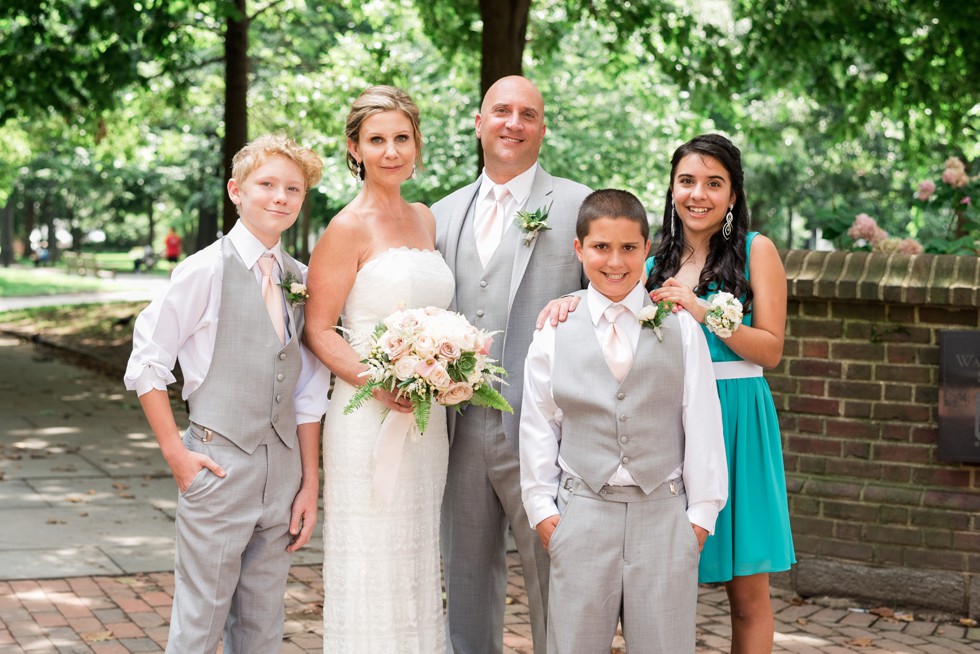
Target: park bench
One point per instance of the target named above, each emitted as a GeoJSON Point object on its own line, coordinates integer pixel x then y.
{"type": "Point", "coordinates": [84, 263]}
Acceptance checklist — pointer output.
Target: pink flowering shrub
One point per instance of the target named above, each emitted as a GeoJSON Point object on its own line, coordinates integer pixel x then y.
{"type": "Point", "coordinates": [953, 197]}
{"type": "Point", "coordinates": [926, 189]}
{"type": "Point", "coordinates": [865, 231]}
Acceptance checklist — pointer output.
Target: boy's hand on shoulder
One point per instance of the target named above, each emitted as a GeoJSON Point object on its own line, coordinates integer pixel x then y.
{"type": "Point", "coordinates": [186, 466]}
{"type": "Point", "coordinates": [701, 534]}
{"type": "Point", "coordinates": [545, 529]}
{"type": "Point", "coordinates": [303, 517]}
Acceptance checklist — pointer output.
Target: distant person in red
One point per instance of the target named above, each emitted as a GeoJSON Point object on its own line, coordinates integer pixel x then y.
{"type": "Point", "coordinates": [171, 246]}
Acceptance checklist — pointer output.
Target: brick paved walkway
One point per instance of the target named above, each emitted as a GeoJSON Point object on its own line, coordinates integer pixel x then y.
{"type": "Point", "coordinates": [129, 614]}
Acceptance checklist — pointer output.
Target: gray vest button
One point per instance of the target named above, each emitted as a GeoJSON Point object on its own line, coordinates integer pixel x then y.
{"type": "Point", "coordinates": [626, 460]}
{"type": "Point", "coordinates": [282, 356]}
{"type": "Point", "coordinates": [623, 439]}
{"type": "Point", "coordinates": [280, 377]}
{"type": "Point", "coordinates": [483, 283]}
{"type": "Point", "coordinates": [621, 396]}
{"type": "Point", "coordinates": [622, 418]}
{"type": "Point", "coordinates": [275, 418]}
{"type": "Point", "coordinates": [479, 313]}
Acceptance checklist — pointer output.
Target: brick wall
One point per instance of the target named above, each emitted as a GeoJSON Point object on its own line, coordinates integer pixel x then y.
{"type": "Point", "coordinates": [874, 514]}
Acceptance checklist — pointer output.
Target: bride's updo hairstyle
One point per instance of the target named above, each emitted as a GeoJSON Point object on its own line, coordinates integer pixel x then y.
{"type": "Point", "coordinates": [375, 100]}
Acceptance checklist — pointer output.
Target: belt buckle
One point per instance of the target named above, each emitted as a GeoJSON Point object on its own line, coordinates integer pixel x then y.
{"type": "Point", "coordinates": [208, 434]}
{"type": "Point", "coordinates": [569, 483]}
{"type": "Point", "coordinates": [673, 486]}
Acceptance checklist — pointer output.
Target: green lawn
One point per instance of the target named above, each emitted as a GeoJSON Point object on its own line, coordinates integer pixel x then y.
{"type": "Point", "coordinates": [17, 282]}
{"type": "Point", "coordinates": [123, 262]}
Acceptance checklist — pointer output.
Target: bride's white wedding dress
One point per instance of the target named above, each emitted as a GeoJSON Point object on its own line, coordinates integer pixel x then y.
{"type": "Point", "coordinates": [381, 569]}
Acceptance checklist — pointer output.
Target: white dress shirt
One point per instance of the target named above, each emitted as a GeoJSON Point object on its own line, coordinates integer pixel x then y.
{"type": "Point", "coordinates": [519, 189]}
{"type": "Point", "coordinates": [704, 469]}
{"type": "Point", "coordinates": [182, 324]}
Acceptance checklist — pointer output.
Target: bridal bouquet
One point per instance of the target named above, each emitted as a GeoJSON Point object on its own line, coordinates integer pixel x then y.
{"type": "Point", "coordinates": [430, 355]}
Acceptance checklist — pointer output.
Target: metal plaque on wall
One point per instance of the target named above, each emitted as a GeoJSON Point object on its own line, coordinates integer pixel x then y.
{"type": "Point", "coordinates": [959, 396]}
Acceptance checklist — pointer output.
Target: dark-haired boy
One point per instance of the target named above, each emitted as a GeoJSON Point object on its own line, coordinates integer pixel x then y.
{"type": "Point", "coordinates": [623, 468]}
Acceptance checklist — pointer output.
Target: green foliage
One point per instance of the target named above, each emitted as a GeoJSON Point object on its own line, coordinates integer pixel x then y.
{"type": "Point", "coordinates": [910, 60]}
{"type": "Point", "coordinates": [73, 56]}
{"type": "Point", "coordinates": [112, 113]}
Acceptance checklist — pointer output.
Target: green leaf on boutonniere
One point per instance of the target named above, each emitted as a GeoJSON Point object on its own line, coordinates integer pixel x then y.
{"type": "Point", "coordinates": [295, 290]}
{"type": "Point", "coordinates": [532, 222]}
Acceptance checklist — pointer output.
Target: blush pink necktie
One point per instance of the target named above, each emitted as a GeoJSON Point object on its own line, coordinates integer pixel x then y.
{"type": "Point", "coordinates": [272, 295]}
{"type": "Point", "coordinates": [615, 349]}
{"type": "Point", "coordinates": [488, 236]}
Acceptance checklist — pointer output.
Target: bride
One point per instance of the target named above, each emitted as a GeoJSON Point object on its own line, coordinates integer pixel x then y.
{"type": "Point", "coordinates": [381, 570]}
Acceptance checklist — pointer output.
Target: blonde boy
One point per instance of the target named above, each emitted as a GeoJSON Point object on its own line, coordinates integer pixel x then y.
{"type": "Point", "coordinates": [247, 466]}
{"type": "Point", "coordinates": [622, 461]}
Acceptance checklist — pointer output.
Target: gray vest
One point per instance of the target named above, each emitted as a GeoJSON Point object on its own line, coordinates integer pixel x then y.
{"type": "Point", "coordinates": [482, 294]}
{"type": "Point", "coordinates": [247, 395]}
{"type": "Point", "coordinates": [604, 422]}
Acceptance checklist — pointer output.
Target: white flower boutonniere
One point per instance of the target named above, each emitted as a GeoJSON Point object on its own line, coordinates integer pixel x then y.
{"type": "Point", "coordinates": [532, 222]}
{"type": "Point", "coordinates": [724, 314]}
{"type": "Point", "coordinates": [295, 290]}
{"type": "Point", "coordinates": [653, 315]}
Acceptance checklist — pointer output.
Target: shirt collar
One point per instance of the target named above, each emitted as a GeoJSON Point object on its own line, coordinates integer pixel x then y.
{"type": "Point", "coordinates": [598, 303]}
{"type": "Point", "coordinates": [250, 248]}
{"type": "Point", "coordinates": [519, 187]}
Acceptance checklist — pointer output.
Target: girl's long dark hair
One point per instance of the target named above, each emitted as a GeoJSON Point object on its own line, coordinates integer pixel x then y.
{"type": "Point", "coordinates": [724, 267]}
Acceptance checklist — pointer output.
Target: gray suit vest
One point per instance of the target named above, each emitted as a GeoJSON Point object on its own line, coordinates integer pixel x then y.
{"type": "Point", "coordinates": [481, 294]}
{"type": "Point", "coordinates": [605, 423]}
{"type": "Point", "coordinates": [248, 393]}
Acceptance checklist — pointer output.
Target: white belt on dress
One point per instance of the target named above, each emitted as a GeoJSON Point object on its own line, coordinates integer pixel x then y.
{"type": "Point", "coordinates": [736, 369]}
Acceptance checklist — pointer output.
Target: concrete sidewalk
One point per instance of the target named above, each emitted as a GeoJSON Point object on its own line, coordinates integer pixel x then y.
{"type": "Point", "coordinates": [86, 539]}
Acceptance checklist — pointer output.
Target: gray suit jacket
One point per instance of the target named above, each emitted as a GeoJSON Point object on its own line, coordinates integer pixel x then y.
{"type": "Point", "coordinates": [543, 271]}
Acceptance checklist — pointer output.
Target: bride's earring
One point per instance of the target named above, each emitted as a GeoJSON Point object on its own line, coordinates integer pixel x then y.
{"type": "Point", "coordinates": [360, 172]}
{"type": "Point", "coordinates": [726, 230]}
{"type": "Point", "coordinates": [673, 220]}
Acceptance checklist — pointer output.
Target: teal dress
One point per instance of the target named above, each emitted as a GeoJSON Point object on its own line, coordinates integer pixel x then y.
{"type": "Point", "coordinates": [752, 534]}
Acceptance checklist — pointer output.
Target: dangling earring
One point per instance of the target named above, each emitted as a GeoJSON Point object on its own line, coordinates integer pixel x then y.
{"type": "Point", "coordinates": [412, 176]}
{"type": "Point", "coordinates": [673, 220]}
{"type": "Point", "coordinates": [726, 229]}
{"type": "Point", "coordinates": [360, 172]}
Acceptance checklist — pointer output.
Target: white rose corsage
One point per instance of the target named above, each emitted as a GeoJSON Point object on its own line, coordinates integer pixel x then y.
{"type": "Point", "coordinates": [652, 315]}
{"type": "Point", "coordinates": [532, 222]}
{"type": "Point", "coordinates": [295, 290]}
{"type": "Point", "coordinates": [724, 314]}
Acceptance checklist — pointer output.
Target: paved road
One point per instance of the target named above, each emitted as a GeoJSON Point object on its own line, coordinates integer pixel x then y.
{"type": "Point", "coordinates": [86, 540]}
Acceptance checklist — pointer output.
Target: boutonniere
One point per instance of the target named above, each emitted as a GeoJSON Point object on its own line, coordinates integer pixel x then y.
{"type": "Point", "coordinates": [724, 314]}
{"type": "Point", "coordinates": [653, 315]}
{"type": "Point", "coordinates": [532, 222]}
{"type": "Point", "coordinates": [294, 289]}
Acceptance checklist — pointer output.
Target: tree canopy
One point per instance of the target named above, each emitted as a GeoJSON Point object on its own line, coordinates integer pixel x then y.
{"type": "Point", "coordinates": [839, 108]}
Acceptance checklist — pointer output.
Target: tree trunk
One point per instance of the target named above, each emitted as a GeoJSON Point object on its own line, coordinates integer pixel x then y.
{"type": "Point", "coordinates": [207, 223]}
{"type": "Point", "coordinates": [151, 237]}
{"type": "Point", "coordinates": [30, 219]}
{"type": "Point", "coordinates": [236, 91]}
{"type": "Point", "coordinates": [303, 248]}
{"type": "Point", "coordinates": [504, 36]}
{"type": "Point", "coordinates": [7, 232]}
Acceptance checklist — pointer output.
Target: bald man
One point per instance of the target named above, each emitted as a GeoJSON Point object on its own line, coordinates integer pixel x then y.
{"type": "Point", "coordinates": [504, 276]}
